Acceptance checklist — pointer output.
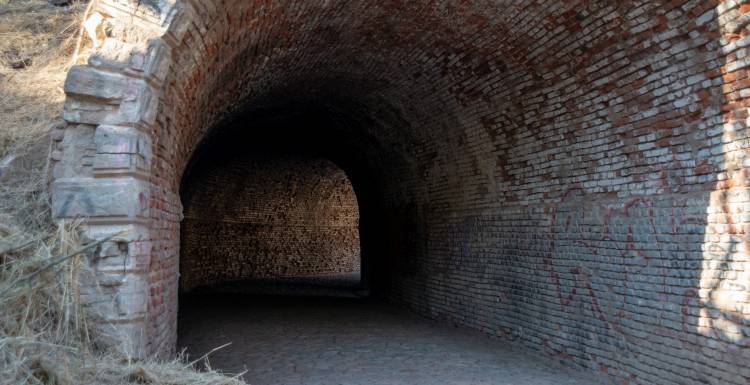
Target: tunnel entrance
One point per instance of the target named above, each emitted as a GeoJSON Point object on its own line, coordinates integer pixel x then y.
{"type": "Point", "coordinates": [567, 175]}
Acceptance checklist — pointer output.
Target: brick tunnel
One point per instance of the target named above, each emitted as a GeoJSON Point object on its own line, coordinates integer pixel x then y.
{"type": "Point", "coordinates": [567, 176]}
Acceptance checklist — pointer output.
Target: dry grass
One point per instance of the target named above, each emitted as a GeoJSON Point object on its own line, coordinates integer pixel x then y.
{"type": "Point", "coordinates": [42, 37]}
{"type": "Point", "coordinates": [44, 338]}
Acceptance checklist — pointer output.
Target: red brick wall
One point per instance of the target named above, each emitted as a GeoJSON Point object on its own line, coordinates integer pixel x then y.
{"type": "Point", "coordinates": [251, 219]}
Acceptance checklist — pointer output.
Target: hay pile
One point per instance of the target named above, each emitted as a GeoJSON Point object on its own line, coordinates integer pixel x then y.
{"type": "Point", "coordinates": [44, 338]}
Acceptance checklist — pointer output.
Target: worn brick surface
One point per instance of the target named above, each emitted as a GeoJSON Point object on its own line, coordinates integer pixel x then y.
{"type": "Point", "coordinates": [268, 218]}
{"type": "Point", "coordinates": [571, 175]}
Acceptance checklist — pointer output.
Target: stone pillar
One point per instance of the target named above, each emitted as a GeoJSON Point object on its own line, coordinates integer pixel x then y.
{"type": "Point", "coordinates": [102, 164]}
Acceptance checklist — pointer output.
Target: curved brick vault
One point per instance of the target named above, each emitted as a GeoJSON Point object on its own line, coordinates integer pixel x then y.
{"type": "Point", "coordinates": [569, 175]}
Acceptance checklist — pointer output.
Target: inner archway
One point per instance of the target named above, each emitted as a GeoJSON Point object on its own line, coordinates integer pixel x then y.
{"type": "Point", "coordinates": [259, 216]}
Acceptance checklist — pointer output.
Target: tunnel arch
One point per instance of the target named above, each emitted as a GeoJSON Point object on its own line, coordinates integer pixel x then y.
{"type": "Point", "coordinates": [261, 217]}
{"type": "Point", "coordinates": [540, 171]}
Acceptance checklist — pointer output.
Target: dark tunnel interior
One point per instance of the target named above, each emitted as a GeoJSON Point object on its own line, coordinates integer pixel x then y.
{"type": "Point", "coordinates": [304, 132]}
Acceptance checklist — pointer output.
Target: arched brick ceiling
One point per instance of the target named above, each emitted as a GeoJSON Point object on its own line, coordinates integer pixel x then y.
{"type": "Point", "coordinates": [474, 73]}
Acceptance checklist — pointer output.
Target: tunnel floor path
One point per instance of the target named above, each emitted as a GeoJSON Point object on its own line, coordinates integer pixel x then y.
{"type": "Point", "coordinates": [313, 340]}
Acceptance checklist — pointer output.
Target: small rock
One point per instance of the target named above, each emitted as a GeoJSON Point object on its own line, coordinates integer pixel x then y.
{"type": "Point", "coordinates": [57, 135]}
{"type": "Point", "coordinates": [59, 124]}
{"type": "Point", "coordinates": [21, 63]}
{"type": "Point", "coordinates": [56, 155]}
{"type": "Point", "coordinates": [141, 376]}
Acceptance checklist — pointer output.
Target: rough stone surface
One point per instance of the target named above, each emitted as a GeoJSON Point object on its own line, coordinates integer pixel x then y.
{"type": "Point", "coordinates": [568, 174]}
{"type": "Point", "coordinates": [89, 82]}
{"type": "Point", "coordinates": [121, 149]}
{"type": "Point", "coordinates": [116, 199]}
{"type": "Point", "coordinates": [268, 218]}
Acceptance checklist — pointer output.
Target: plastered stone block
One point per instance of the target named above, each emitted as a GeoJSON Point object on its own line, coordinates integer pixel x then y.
{"type": "Point", "coordinates": [115, 198]}
{"type": "Point", "coordinates": [139, 106]}
{"type": "Point", "coordinates": [127, 252]}
{"type": "Point", "coordinates": [77, 150]}
{"type": "Point", "coordinates": [180, 18]}
{"type": "Point", "coordinates": [158, 60]}
{"type": "Point", "coordinates": [88, 82]}
{"type": "Point", "coordinates": [115, 297]}
{"type": "Point", "coordinates": [121, 148]}
{"type": "Point", "coordinates": [89, 111]}
{"type": "Point", "coordinates": [107, 98]}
